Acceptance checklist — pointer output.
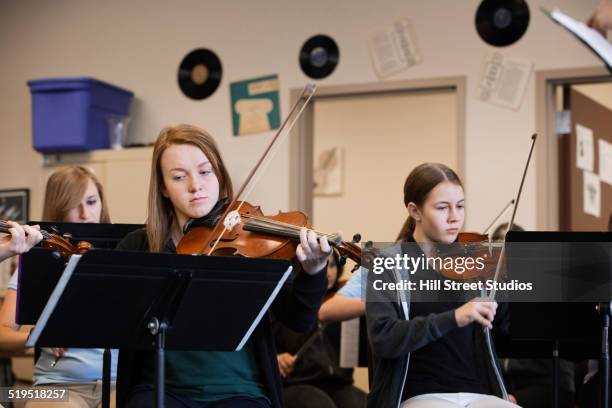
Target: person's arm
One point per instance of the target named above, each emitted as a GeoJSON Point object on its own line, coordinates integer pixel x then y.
{"type": "Point", "coordinates": [392, 336]}
{"type": "Point", "coordinates": [11, 339]}
{"type": "Point", "coordinates": [347, 303]}
{"type": "Point", "coordinates": [19, 241]}
{"type": "Point", "coordinates": [340, 308]}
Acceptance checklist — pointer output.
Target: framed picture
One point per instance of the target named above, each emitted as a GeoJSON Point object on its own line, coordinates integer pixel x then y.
{"type": "Point", "coordinates": [327, 171]}
{"type": "Point", "coordinates": [15, 205]}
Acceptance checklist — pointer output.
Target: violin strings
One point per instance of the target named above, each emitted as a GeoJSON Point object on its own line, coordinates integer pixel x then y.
{"type": "Point", "coordinates": [283, 226]}
{"type": "Point", "coordinates": [4, 227]}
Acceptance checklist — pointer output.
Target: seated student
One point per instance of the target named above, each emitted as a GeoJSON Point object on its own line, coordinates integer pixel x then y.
{"type": "Point", "coordinates": [189, 181]}
{"type": "Point", "coordinates": [315, 380]}
{"type": "Point", "coordinates": [19, 239]}
{"type": "Point", "coordinates": [530, 379]}
{"type": "Point", "coordinates": [73, 194]}
{"type": "Point", "coordinates": [431, 354]}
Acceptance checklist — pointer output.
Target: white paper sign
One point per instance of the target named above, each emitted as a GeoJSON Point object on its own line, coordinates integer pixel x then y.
{"type": "Point", "coordinates": [584, 148]}
{"type": "Point", "coordinates": [394, 49]}
{"type": "Point", "coordinates": [605, 161]}
{"type": "Point", "coordinates": [591, 194]}
{"type": "Point", "coordinates": [504, 80]}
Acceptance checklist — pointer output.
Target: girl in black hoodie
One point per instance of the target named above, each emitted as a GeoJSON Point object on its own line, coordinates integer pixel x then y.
{"type": "Point", "coordinates": [430, 354]}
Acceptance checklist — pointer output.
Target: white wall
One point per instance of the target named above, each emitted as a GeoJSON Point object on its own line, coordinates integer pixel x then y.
{"type": "Point", "coordinates": [138, 45]}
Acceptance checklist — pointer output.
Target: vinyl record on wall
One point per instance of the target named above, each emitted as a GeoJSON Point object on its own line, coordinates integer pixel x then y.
{"type": "Point", "coordinates": [319, 56]}
{"type": "Point", "coordinates": [199, 74]}
{"type": "Point", "coordinates": [502, 22]}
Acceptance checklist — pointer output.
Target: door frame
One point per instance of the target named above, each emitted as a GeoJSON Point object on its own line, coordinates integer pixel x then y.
{"type": "Point", "coordinates": [547, 149]}
{"type": "Point", "coordinates": [301, 143]}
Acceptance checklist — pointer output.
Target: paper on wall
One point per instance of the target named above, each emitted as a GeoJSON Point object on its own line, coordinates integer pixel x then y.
{"type": "Point", "coordinates": [605, 161]}
{"type": "Point", "coordinates": [504, 80]}
{"type": "Point", "coordinates": [394, 49]}
{"type": "Point", "coordinates": [591, 198]}
{"type": "Point", "coordinates": [584, 148]}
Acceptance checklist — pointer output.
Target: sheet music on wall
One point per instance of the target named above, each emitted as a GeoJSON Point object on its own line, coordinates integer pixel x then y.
{"type": "Point", "coordinates": [504, 80]}
{"type": "Point", "coordinates": [591, 195]}
{"type": "Point", "coordinates": [394, 49]}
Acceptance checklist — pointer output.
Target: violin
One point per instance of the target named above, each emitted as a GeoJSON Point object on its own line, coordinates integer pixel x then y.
{"type": "Point", "coordinates": [255, 235]}
{"type": "Point", "coordinates": [55, 242]}
{"type": "Point", "coordinates": [475, 246]}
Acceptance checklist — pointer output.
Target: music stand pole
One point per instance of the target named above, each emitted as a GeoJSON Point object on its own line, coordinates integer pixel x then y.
{"type": "Point", "coordinates": [604, 360]}
{"type": "Point", "coordinates": [158, 329]}
{"type": "Point", "coordinates": [106, 378]}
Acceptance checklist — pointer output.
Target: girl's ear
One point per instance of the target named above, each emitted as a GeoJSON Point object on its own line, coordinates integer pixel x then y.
{"type": "Point", "coordinates": [414, 211]}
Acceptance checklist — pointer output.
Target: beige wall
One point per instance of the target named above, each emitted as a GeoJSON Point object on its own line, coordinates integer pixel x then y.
{"type": "Point", "coordinates": [139, 44]}
{"type": "Point", "coordinates": [413, 124]}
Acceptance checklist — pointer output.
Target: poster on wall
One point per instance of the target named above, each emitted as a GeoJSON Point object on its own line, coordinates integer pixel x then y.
{"type": "Point", "coordinates": [15, 205]}
{"type": "Point", "coordinates": [255, 105]}
{"type": "Point", "coordinates": [585, 154]}
{"type": "Point", "coordinates": [591, 195]}
{"type": "Point", "coordinates": [327, 172]}
{"type": "Point", "coordinates": [605, 161]}
{"type": "Point", "coordinates": [394, 49]}
{"type": "Point", "coordinates": [504, 80]}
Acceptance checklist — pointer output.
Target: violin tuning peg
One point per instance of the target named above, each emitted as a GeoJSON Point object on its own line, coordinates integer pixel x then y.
{"type": "Point", "coordinates": [355, 267]}
{"type": "Point", "coordinates": [356, 238]}
{"type": "Point", "coordinates": [55, 230]}
{"type": "Point", "coordinates": [67, 235]}
{"type": "Point", "coordinates": [56, 255]}
{"type": "Point", "coordinates": [341, 260]}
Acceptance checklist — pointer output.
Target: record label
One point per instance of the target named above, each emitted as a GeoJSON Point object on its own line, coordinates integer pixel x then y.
{"type": "Point", "coordinates": [199, 74]}
{"type": "Point", "coordinates": [502, 22]}
{"type": "Point", "coordinates": [319, 56]}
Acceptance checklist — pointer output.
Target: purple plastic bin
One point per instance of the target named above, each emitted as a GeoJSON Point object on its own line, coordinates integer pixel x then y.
{"type": "Point", "coordinates": [69, 114]}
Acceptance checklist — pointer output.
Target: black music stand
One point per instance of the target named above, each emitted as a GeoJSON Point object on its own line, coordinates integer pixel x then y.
{"type": "Point", "coordinates": [40, 270]}
{"type": "Point", "coordinates": [150, 301]}
{"type": "Point", "coordinates": [571, 329]}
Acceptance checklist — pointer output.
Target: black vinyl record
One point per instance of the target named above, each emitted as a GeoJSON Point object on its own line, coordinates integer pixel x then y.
{"type": "Point", "coordinates": [502, 22]}
{"type": "Point", "coordinates": [199, 74]}
{"type": "Point", "coordinates": [319, 56]}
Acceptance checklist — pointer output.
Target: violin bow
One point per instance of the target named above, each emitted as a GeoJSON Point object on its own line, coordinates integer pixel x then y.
{"type": "Point", "coordinates": [285, 128]}
{"type": "Point", "coordinates": [511, 223]}
{"type": "Point", "coordinates": [485, 232]}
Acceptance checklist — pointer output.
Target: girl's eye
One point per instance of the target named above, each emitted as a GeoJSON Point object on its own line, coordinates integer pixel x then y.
{"type": "Point", "coordinates": [92, 202]}
{"type": "Point", "coordinates": [441, 208]}
{"type": "Point", "coordinates": [206, 172]}
{"type": "Point", "coordinates": [177, 178]}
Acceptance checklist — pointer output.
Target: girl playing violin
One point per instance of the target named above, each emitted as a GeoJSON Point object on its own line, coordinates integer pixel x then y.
{"type": "Point", "coordinates": [432, 354]}
{"type": "Point", "coordinates": [190, 181]}
{"type": "Point", "coordinates": [73, 194]}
